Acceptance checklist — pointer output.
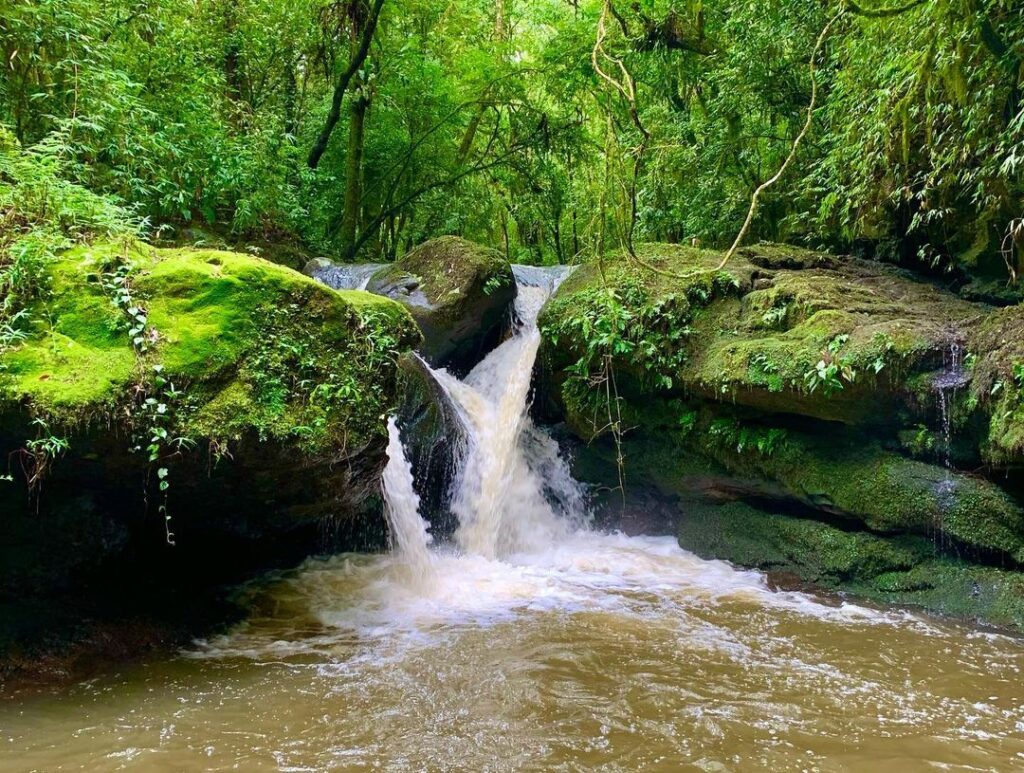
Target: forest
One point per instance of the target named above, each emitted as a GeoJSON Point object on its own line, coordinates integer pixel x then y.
{"type": "Point", "coordinates": [511, 384]}
{"type": "Point", "coordinates": [552, 129]}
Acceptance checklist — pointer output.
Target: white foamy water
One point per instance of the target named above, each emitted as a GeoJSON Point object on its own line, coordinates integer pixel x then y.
{"type": "Point", "coordinates": [585, 572]}
{"type": "Point", "coordinates": [509, 472]}
{"type": "Point", "coordinates": [410, 538]}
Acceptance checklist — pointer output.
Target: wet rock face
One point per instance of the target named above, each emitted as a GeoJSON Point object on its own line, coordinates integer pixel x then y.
{"type": "Point", "coordinates": [459, 293]}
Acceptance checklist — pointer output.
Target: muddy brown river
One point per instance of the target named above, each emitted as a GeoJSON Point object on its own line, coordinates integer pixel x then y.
{"type": "Point", "coordinates": [604, 653]}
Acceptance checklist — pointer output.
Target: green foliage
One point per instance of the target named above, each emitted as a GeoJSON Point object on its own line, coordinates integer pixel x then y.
{"type": "Point", "coordinates": [618, 327]}
{"type": "Point", "coordinates": [499, 129]}
{"type": "Point", "coordinates": [743, 437]}
{"type": "Point", "coordinates": [41, 214]}
{"type": "Point", "coordinates": [641, 331]}
{"type": "Point", "coordinates": [833, 369]}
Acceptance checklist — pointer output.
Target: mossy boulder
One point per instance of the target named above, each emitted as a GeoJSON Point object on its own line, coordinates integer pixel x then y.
{"type": "Point", "coordinates": [996, 349]}
{"type": "Point", "coordinates": [249, 401]}
{"type": "Point", "coordinates": [854, 478]}
{"type": "Point", "coordinates": [903, 570]}
{"type": "Point", "coordinates": [754, 332]}
{"type": "Point", "coordinates": [842, 409]}
{"type": "Point", "coordinates": [459, 293]}
{"type": "Point", "coordinates": [671, 487]}
{"type": "Point", "coordinates": [816, 552]}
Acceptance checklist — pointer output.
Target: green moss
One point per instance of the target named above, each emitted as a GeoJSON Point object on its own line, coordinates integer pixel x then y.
{"type": "Point", "coordinates": [817, 552]}
{"type": "Point", "coordinates": [845, 475]}
{"type": "Point", "coordinates": [453, 272]}
{"type": "Point", "coordinates": [903, 570]}
{"type": "Point", "coordinates": [790, 309]}
{"type": "Point", "coordinates": [62, 375]}
{"type": "Point", "coordinates": [886, 492]}
{"type": "Point", "coordinates": [256, 346]}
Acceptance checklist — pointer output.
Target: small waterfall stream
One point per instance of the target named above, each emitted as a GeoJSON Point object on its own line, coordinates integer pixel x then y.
{"type": "Point", "coordinates": [946, 384]}
{"type": "Point", "coordinates": [512, 491]}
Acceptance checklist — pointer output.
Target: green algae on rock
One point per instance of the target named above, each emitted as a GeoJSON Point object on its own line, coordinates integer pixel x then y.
{"type": "Point", "coordinates": [894, 570]}
{"type": "Point", "coordinates": [309, 365]}
{"type": "Point", "coordinates": [780, 311]}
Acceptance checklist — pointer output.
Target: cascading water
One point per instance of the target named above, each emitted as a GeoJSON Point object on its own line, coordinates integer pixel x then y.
{"type": "Point", "coordinates": [509, 472]}
{"type": "Point", "coordinates": [346, 276]}
{"type": "Point", "coordinates": [409, 532]}
{"type": "Point", "coordinates": [946, 384]}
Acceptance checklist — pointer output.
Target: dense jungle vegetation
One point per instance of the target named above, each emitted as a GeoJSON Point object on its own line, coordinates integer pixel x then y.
{"type": "Point", "coordinates": [552, 128]}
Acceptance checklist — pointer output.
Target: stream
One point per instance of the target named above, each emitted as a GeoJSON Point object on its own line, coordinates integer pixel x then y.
{"type": "Point", "coordinates": [530, 640]}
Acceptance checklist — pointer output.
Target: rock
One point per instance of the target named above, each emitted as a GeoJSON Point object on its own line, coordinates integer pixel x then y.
{"type": "Point", "coordinates": [459, 293]}
{"type": "Point", "coordinates": [729, 335]}
{"type": "Point", "coordinates": [810, 385]}
{"type": "Point", "coordinates": [262, 391]}
{"type": "Point", "coordinates": [903, 571]}
{"type": "Point", "coordinates": [317, 266]}
{"type": "Point", "coordinates": [434, 437]}
{"type": "Point", "coordinates": [750, 522]}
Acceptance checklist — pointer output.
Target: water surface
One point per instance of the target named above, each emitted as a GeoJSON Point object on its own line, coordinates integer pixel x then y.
{"type": "Point", "coordinates": [605, 652]}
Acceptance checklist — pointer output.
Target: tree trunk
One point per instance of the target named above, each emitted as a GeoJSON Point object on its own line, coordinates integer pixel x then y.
{"type": "Point", "coordinates": [291, 96]}
{"type": "Point", "coordinates": [363, 31]}
{"type": "Point", "coordinates": [353, 176]}
{"type": "Point", "coordinates": [231, 53]}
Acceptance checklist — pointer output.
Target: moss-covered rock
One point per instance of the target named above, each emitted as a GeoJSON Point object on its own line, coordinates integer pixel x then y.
{"type": "Point", "coordinates": [815, 551]}
{"type": "Point", "coordinates": [856, 479]}
{"type": "Point", "coordinates": [458, 292]}
{"type": "Point", "coordinates": [901, 570]}
{"type": "Point", "coordinates": [779, 329]}
{"type": "Point", "coordinates": [670, 486]}
{"type": "Point", "coordinates": [255, 346]}
{"type": "Point", "coordinates": [250, 396]}
{"type": "Point", "coordinates": [996, 349]}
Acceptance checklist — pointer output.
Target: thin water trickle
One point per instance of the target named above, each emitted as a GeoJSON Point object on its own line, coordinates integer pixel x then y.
{"type": "Point", "coordinates": [946, 385]}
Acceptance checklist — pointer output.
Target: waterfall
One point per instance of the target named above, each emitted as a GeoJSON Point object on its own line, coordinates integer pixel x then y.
{"type": "Point", "coordinates": [410, 537]}
{"type": "Point", "coordinates": [512, 491]}
{"type": "Point", "coordinates": [946, 383]}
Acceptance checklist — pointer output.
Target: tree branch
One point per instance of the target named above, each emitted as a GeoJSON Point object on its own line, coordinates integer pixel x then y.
{"type": "Point", "coordinates": [341, 88]}
{"type": "Point", "coordinates": [792, 152]}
